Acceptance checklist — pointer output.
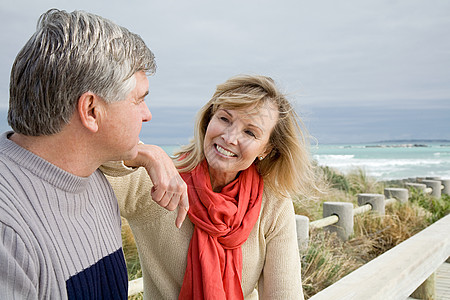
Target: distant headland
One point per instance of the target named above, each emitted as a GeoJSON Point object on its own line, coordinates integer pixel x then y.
{"type": "Point", "coordinates": [407, 143]}
{"type": "Point", "coordinates": [414, 141]}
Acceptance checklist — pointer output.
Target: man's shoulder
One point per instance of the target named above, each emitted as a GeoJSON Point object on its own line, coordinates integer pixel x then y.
{"type": "Point", "coordinates": [11, 176]}
{"type": "Point", "coordinates": [99, 180]}
{"type": "Point", "coordinates": [12, 213]}
{"type": "Point", "coordinates": [5, 160]}
{"type": "Point", "coordinates": [8, 173]}
{"type": "Point", "coordinates": [12, 191]}
{"type": "Point", "coordinates": [8, 165]}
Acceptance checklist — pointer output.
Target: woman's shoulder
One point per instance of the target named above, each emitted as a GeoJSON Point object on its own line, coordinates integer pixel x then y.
{"type": "Point", "coordinates": [277, 214]}
{"type": "Point", "coordinates": [274, 204]}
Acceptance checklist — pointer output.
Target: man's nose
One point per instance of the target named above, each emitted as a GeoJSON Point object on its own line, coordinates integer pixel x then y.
{"type": "Point", "coordinates": [146, 114]}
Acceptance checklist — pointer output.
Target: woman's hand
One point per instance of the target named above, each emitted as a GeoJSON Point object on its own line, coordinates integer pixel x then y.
{"type": "Point", "coordinates": [169, 189]}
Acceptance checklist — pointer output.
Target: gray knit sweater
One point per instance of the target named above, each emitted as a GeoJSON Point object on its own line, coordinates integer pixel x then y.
{"type": "Point", "coordinates": [60, 235]}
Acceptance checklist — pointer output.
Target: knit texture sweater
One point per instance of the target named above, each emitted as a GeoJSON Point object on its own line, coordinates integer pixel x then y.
{"type": "Point", "coordinates": [271, 263]}
{"type": "Point", "coordinates": [60, 234]}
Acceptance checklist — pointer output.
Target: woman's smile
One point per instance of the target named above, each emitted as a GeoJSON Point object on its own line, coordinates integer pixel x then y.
{"type": "Point", "coordinates": [224, 151]}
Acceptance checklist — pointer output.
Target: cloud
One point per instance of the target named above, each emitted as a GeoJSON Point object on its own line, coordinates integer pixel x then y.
{"type": "Point", "coordinates": [324, 53]}
{"type": "Point", "coordinates": [354, 124]}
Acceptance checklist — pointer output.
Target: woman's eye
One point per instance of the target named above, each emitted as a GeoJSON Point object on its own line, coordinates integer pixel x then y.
{"type": "Point", "coordinates": [250, 133]}
{"type": "Point", "coordinates": [224, 119]}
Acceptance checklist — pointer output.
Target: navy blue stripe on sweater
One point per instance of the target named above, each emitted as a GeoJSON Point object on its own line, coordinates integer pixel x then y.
{"type": "Point", "coordinates": [106, 279]}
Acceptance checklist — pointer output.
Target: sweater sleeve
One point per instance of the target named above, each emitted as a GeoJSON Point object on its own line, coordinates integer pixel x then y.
{"type": "Point", "coordinates": [132, 187]}
{"type": "Point", "coordinates": [18, 276]}
{"type": "Point", "coordinates": [116, 169]}
{"type": "Point", "coordinates": [281, 276]}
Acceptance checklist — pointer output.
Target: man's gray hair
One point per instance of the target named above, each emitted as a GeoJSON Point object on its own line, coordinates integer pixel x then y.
{"type": "Point", "coordinates": [68, 55]}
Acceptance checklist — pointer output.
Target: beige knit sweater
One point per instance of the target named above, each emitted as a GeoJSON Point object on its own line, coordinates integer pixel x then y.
{"type": "Point", "coordinates": [271, 263]}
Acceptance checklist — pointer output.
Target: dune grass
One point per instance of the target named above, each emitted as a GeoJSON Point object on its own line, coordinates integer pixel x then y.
{"type": "Point", "coordinates": [131, 255]}
{"type": "Point", "coordinates": [326, 258]}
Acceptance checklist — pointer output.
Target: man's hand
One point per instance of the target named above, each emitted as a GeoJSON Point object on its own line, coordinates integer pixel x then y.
{"type": "Point", "coordinates": [169, 189]}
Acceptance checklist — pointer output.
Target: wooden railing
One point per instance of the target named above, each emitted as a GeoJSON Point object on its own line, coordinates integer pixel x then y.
{"type": "Point", "coordinates": [399, 272]}
{"type": "Point", "coordinates": [135, 286]}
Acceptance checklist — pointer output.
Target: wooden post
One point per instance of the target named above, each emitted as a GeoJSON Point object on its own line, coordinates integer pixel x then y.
{"type": "Point", "coordinates": [344, 211]}
{"type": "Point", "coordinates": [435, 185]}
{"type": "Point", "coordinates": [416, 186]}
{"type": "Point", "coordinates": [375, 200]}
{"type": "Point", "coordinates": [302, 224]}
{"type": "Point", "coordinates": [401, 195]}
{"type": "Point", "coordinates": [427, 290]}
{"type": "Point", "coordinates": [446, 184]}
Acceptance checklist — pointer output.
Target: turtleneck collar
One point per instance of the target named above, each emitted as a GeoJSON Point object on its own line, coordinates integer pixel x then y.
{"type": "Point", "coordinates": [40, 167]}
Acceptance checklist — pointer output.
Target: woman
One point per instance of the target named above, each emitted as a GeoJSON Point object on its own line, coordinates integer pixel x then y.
{"type": "Point", "coordinates": [247, 157]}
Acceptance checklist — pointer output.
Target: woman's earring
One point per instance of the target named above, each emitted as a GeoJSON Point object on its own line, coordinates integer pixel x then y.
{"type": "Point", "coordinates": [261, 157]}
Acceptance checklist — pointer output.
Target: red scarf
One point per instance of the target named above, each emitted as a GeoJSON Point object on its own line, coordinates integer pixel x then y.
{"type": "Point", "coordinates": [223, 221]}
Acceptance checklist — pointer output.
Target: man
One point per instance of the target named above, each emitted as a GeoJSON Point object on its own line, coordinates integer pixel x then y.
{"type": "Point", "coordinates": [76, 101]}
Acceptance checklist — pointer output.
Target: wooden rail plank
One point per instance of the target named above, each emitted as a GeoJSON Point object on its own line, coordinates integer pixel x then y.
{"type": "Point", "coordinates": [135, 286]}
{"type": "Point", "coordinates": [398, 272]}
{"type": "Point", "coordinates": [443, 282]}
{"type": "Point", "coordinates": [324, 222]}
{"type": "Point", "coordinates": [362, 209]}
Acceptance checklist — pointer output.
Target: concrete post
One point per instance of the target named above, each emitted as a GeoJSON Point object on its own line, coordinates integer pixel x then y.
{"type": "Point", "coordinates": [420, 187]}
{"type": "Point", "coordinates": [446, 184]}
{"type": "Point", "coordinates": [302, 225]}
{"type": "Point", "coordinates": [344, 211]}
{"type": "Point", "coordinates": [401, 195]}
{"type": "Point", "coordinates": [435, 185]}
{"type": "Point", "coordinates": [427, 290]}
{"type": "Point", "coordinates": [376, 200]}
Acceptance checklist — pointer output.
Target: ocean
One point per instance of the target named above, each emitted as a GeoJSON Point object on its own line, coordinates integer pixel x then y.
{"type": "Point", "coordinates": [388, 161]}
{"type": "Point", "coordinates": [384, 161]}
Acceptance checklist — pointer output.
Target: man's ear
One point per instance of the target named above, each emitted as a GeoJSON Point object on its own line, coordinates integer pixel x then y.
{"type": "Point", "coordinates": [90, 109]}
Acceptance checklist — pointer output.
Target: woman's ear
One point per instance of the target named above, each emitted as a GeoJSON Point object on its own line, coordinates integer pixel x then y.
{"type": "Point", "coordinates": [269, 149]}
{"type": "Point", "coordinates": [89, 110]}
{"type": "Point", "coordinates": [266, 152]}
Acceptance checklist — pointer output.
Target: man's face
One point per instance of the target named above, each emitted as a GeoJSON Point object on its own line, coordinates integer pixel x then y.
{"type": "Point", "coordinates": [124, 121]}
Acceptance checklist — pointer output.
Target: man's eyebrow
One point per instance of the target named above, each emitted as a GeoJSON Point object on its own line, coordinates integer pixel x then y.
{"type": "Point", "coordinates": [145, 94]}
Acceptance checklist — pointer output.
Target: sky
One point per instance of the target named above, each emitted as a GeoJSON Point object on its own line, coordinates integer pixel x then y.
{"type": "Point", "coordinates": [357, 71]}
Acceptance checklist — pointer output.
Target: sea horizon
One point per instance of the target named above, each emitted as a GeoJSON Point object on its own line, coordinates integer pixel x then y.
{"type": "Point", "coordinates": [384, 161]}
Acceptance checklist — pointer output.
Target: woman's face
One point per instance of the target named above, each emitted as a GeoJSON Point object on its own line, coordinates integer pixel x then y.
{"type": "Point", "coordinates": [235, 138]}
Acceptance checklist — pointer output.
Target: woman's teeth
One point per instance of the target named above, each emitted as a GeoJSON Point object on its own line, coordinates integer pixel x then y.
{"type": "Point", "coordinates": [225, 152]}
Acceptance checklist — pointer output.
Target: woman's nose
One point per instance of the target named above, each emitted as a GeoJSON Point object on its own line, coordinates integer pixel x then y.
{"type": "Point", "coordinates": [230, 136]}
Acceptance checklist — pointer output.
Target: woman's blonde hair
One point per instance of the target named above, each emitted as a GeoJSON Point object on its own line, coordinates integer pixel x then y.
{"type": "Point", "coordinates": [287, 169]}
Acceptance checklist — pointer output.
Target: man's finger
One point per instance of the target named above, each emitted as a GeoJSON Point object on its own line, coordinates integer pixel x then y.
{"type": "Point", "coordinates": [173, 203]}
{"type": "Point", "coordinates": [169, 200]}
{"type": "Point", "coordinates": [183, 209]}
{"type": "Point", "coordinates": [157, 194]}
